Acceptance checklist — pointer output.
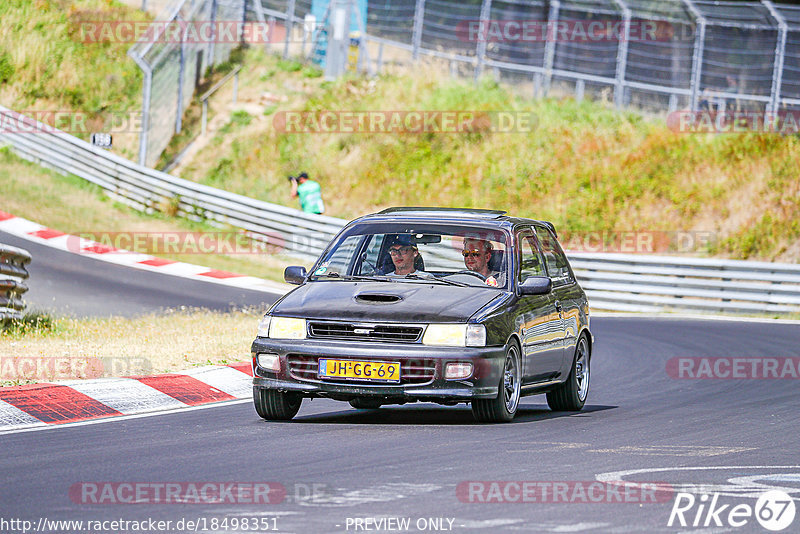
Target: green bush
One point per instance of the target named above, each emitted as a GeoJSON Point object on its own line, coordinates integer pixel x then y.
{"type": "Point", "coordinates": [6, 67]}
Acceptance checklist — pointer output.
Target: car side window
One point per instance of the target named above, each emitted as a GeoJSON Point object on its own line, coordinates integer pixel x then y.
{"type": "Point", "coordinates": [530, 262]}
{"type": "Point", "coordinates": [554, 257]}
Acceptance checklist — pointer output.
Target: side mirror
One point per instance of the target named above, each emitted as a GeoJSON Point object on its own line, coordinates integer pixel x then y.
{"type": "Point", "coordinates": [294, 274]}
{"type": "Point", "coordinates": [536, 285]}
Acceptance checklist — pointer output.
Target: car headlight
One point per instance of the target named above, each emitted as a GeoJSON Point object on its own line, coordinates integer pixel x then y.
{"type": "Point", "coordinates": [287, 328]}
{"type": "Point", "coordinates": [263, 326]}
{"type": "Point", "coordinates": [455, 335]}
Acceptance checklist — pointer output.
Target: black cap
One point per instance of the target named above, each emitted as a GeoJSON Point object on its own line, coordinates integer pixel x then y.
{"type": "Point", "coordinates": [302, 175]}
{"type": "Point", "coordinates": [405, 240]}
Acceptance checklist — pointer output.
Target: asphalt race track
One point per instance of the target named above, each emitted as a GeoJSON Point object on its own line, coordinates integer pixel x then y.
{"type": "Point", "coordinates": [342, 468]}
{"type": "Point", "coordinates": [72, 284]}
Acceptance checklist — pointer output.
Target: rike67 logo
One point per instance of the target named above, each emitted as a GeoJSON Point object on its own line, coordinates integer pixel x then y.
{"type": "Point", "coordinates": [774, 510]}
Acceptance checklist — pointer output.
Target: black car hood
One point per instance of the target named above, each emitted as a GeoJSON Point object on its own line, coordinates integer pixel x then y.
{"type": "Point", "coordinates": [406, 302]}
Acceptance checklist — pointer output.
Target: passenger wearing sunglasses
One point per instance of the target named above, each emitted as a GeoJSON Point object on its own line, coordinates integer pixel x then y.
{"type": "Point", "coordinates": [404, 254]}
{"type": "Point", "coordinates": [477, 253]}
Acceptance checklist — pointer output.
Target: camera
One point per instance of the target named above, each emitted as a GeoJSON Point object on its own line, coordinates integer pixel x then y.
{"type": "Point", "coordinates": [291, 178]}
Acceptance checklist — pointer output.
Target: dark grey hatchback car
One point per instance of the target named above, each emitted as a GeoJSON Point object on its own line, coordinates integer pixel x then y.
{"type": "Point", "coordinates": [429, 304]}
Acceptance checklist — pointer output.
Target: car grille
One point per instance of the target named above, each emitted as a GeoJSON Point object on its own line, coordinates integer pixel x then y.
{"type": "Point", "coordinates": [377, 332]}
{"type": "Point", "coordinates": [412, 372]}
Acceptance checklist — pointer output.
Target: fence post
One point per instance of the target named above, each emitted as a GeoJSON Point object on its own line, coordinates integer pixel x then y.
{"type": "Point", "coordinates": [416, 41]}
{"type": "Point", "coordinates": [146, 94]}
{"type": "Point", "coordinates": [622, 55]}
{"type": "Point", "coordinates": [780, 52]}
{"type": "Point", "coordinates": [697, 56]}
{"type": "Point", "coordinates": [550, 45]}
{"type": "Point", "coordinates": [181, 74]}
{"type": "Point", "coordinates": [213, 33]}
{"type": "Point", "coordinates": [288, 27]}
{"type": "Point", "coordinates": [486, 10]}
{"type": "Point", "coordinates": [240, 26]}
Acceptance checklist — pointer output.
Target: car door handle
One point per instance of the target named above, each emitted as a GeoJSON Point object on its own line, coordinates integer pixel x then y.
{"type": "Point", "coordinates": [558, 305]}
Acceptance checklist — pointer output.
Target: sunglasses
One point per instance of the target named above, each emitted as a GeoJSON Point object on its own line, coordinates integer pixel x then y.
{"type": "Point", "coordinates": [401, 250]}
{"type": "Point", "coordinates": [472, 253]}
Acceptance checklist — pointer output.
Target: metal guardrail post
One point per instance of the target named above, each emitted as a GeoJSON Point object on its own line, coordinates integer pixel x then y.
{"type": "Point", "coordinates": [697, 55]}
{"type": "Point", "coordinates": [486, 10]}
{"type": "Point", "coordinates": [622, 55]}
{"type": "Point", "coordinates": [289, 26]}
{"type": "Point", "coordinates": [780, 52]}
{"type": "Point", "coordinates": [416, 39]}
{"type": "Point", "coordinates": [550, 45]}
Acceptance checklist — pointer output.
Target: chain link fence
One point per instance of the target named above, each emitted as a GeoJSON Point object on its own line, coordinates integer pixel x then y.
{"type": "Point", "coordinates": [174, 63]}
{"type": "Point", "coordinates": [662, 55]}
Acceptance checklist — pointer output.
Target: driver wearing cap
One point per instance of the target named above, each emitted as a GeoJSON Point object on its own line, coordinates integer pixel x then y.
{"type": "Point", "coordinates": [403, 251]}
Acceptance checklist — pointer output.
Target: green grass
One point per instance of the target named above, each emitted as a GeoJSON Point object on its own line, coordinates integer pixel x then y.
{"type": "Point", "coordinates": [75, 206]}
{"type": "Point", "coordinates": [586, 167]}
{"type": "Point", "coordinates": [45, 65]}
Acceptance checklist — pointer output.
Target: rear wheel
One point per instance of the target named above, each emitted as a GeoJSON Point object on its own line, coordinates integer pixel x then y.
{"type": "Point", "coordinates": [275, 405]}
{"type": "Point", "coordinates": [502, 408]}
{"type": "Point", "coordinates": [365, 404]}
{"type": "Point", "coordinates": [571, 395]}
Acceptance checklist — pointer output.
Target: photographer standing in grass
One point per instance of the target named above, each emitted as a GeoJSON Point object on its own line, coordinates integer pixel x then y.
{"type": "Point", "coordinates": [309, 192]}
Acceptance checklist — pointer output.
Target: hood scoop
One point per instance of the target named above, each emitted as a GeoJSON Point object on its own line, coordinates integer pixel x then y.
{"type": "Point", "coordinates": [378, 298]}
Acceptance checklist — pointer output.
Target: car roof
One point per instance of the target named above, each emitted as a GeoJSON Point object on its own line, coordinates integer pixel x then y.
{"type": "Point", "coordinates": [453, 215]}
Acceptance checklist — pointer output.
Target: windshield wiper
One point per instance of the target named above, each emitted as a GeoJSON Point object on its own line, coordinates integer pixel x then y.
{"type": "Point", "coordinates": [431, 278]}
{"type": "Point", "coordinates": [366, 277]}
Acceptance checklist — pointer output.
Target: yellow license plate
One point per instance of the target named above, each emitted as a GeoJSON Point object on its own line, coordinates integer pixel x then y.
{"type": "Point", "coordinates": [359, 370]}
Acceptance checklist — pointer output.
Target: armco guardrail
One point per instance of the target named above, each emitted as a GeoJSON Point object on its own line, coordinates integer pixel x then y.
{"type": "Point", "coordinates": [148, 190]}
{"type": "Point", "coordinates": [621, 282]}
{"type": "Point", "coordinates": [643, 283]}
{"type": "Point", "coordinates": [12, 275]}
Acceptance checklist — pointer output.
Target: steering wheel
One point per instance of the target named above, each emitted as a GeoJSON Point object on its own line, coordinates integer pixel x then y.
{"type": "Point", "coordinates": [473, 273]}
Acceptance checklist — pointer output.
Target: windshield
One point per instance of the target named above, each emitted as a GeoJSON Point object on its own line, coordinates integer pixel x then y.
{"type": "Point", "coordinates": [448, 254]}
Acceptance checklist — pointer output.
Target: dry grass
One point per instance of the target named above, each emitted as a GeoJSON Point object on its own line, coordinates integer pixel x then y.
{"type": "Point", "coordinates": [586, 167]}
{"type": "Point", "coordinates": [150, 344]}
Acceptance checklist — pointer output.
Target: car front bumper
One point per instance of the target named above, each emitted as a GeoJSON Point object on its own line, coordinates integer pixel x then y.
{"type": "Point", "coordinates": [488, 363]}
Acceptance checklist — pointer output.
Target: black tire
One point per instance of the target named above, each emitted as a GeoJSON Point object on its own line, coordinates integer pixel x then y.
{"type": "Point", "coordinates": [571, 395]}
{"type": "Point", "coordinates": [365, 404]}
{"type": "Point", "coordinates": [502, 408]}
{"type": "Point", "coordinates": [274, 405]}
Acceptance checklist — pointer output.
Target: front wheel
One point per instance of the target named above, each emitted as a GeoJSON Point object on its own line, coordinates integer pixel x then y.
{"type": "Point", "coordinates": [274, 405]}
{"type": "Point", "coordinates": [502, 408]}
{"type": "Point", "coordinates": [571, 395]}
